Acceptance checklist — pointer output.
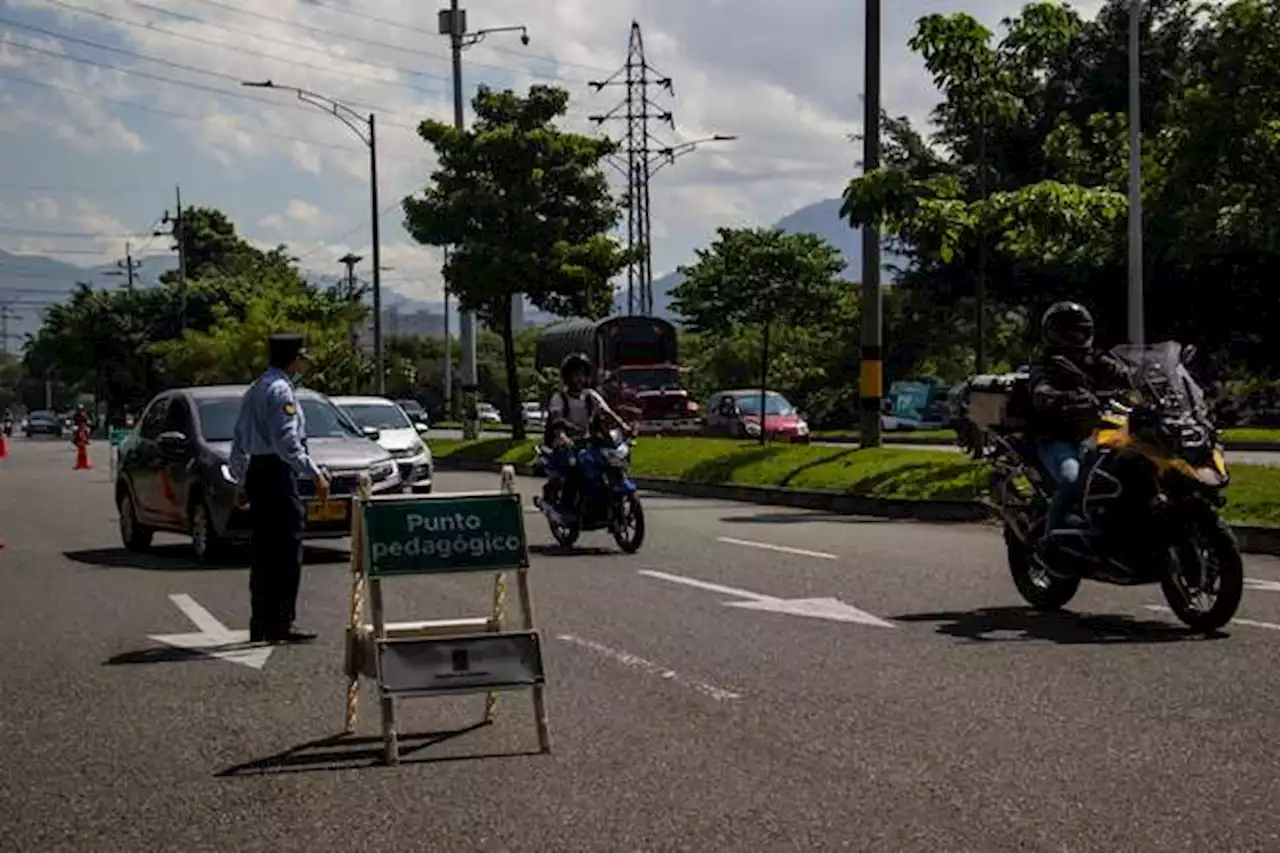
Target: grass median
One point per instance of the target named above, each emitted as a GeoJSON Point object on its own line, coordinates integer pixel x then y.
{"type": "Point", "coordinates": [896, 473]}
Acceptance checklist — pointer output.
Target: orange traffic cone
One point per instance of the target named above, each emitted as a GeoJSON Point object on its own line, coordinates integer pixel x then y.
{"type": "Point", "coordinates": [82, 454]}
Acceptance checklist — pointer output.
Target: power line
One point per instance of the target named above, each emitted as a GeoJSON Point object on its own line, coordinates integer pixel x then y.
{"type": "Point", "coordinates": [358, 39]}
{"type": "Point", "coordinates": [364, 16]}
{"type": "Point", "coordinates": [93, 96]}
{"type": "Point", "coordinates": [168, 80]}
{"type": "Point", "coordinates": [63, 37]}
{"type": "Point", "coordinates": [259, 54]}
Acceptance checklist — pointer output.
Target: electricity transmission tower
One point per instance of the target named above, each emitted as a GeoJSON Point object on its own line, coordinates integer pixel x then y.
{"type": "Point", "coordinates": [644, 154]}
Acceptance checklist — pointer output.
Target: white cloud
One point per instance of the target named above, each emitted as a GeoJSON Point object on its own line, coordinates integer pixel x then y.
{"type": "Point", "coordinates": [43, 208]}
{"type": "Point", "coordinates": [786, 82]}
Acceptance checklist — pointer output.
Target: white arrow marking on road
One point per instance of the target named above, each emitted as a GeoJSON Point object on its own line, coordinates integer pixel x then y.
{"type": "Point", "coordinates": [1270, 626]}
{"type": "Point", "coordinates": [1261, 585]}
{"type": "Point", "coordinates": [214, 639]}
{"type": "Point", "coordinates": [783, 548]}
{"type": "Point", "coordinates": [817, 608]}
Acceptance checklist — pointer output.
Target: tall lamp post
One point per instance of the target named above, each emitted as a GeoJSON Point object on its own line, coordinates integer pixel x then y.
{"type": "Point", "coordinates": [872, 360]}
{"type": "Point", "coordinates": [453, 23]}
{"type": "Point", "coordinates": [365, 128]}
{"type": "Point", "coordinates": [1137, 331]}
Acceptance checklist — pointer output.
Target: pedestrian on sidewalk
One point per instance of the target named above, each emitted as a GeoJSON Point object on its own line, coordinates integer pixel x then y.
{"type": "Point", "coordinates": [268, 455]}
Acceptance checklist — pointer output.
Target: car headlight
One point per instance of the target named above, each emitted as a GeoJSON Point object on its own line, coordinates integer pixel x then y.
{"type": "Point", "coordinates": [802, 428]}
{"type": "Point", "coordinates": [381, 471]}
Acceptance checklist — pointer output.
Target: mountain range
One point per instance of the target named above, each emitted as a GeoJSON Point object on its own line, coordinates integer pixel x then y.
{"type": "Point", "coordinates": [29, 283]}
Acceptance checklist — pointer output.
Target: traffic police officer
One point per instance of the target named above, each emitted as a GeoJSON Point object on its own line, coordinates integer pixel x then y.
{"type": "Point", "coordinates": [268, 455]}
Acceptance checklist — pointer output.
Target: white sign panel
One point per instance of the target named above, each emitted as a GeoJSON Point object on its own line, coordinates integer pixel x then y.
{"type": "Point", "coordinates": [460, 664]}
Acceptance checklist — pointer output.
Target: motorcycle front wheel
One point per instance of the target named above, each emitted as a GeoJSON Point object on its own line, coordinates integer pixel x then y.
{"type": "Point", "coordinates": [1042, 589]}
{"type": "Point", "coordinates": [628, 524]}
{"type": "Point", "coordinates": [1205, 579]}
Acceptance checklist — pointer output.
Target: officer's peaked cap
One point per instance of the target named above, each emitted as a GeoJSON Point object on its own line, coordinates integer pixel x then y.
{"type": "Point", "coordinates": [283, 349]}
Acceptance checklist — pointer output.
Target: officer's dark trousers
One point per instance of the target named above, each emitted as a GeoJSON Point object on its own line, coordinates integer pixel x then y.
{"type": "Point", "coordinates": [276, 518]}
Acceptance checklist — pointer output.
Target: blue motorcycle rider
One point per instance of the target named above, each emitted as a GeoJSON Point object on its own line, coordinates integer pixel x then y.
{"type": "Point", "coordinates": [1065, 382]}
{"type": "Point", "coordinates": [570, 414]}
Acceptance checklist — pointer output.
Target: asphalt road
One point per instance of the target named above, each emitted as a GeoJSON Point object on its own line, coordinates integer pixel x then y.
{"type": "Point", "coordinates": [947, 718]}
{"type": "Point", "coordinates": [1238, 457]}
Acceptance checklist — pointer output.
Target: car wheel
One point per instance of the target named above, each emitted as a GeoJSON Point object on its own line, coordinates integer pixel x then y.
{"type": "Point", "coordinates": [207, 546]}
{"type": "Point", "coordinates": [135, 535]}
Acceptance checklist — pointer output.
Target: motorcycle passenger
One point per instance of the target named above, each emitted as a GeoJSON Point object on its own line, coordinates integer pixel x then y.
{"type": "Point", "coordinates": [1066, 379]}
{"type": "Point", "coordinates": [570, 414]}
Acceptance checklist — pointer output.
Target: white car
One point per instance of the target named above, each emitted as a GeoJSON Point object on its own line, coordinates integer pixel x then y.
{"type": "Point", "coordinates": [533, 415]}
{"type": "Point", "coordinates": [386, 423]}
{"type": "Point", "coordinates": [488, 414]}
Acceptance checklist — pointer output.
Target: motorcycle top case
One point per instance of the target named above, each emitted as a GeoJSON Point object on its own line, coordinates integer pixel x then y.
{"type": "Point", "coordinates": [998, 401]}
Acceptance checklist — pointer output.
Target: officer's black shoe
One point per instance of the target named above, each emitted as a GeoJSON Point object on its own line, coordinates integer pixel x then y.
{"type": "Point", "coordinates": [290, 636]}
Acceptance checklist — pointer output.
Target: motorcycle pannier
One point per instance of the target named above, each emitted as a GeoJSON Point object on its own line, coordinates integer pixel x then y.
{"type": "Point", "coordinates": [997, 401]}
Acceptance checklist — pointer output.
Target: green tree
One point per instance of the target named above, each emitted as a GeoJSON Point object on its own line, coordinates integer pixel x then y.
{"type": "Point", "coordinates": [527, 209]}
{"type": "Point", "coordinates": [759, 278]}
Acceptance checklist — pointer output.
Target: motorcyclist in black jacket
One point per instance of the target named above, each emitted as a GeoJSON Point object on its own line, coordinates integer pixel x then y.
{"type": "Point", "coordinates": [1066, 380]}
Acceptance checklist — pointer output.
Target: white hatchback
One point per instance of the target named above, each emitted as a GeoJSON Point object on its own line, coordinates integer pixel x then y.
{"type": "Point", "coordinates": [388, 424]}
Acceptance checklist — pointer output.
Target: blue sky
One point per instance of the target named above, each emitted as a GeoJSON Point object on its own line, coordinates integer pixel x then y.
{"type": "Point", "coordinates": [101, 165]}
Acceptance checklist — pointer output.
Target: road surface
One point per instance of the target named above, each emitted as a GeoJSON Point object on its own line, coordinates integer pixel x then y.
{"type": "Point", "coordinates": [1237, 457]}
{"type": "Point", "coordinates": [694, 704]}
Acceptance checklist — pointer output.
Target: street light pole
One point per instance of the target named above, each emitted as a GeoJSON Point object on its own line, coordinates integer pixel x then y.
{"type": "Point", "coordinates": [365, 128]}
{"type": "Point", "coordinates": [872, 355]}
{"type": "Point", "coordinates": [453, 23]}
{"type": "Point", "coordinates": [1137, 332]}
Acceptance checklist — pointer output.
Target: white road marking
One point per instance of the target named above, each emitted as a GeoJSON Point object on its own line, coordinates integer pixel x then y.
{"type": "Point", "coordinates": [635, 662]}
{"type": "Point", "coordinates": [822, 555]}
{"type": "Point", "coordinates": [1251, 623]}
{"type": "Point", "coordinates": [1261, 585]}
{"type": "Point", "coordinates": [832, 609]}
{"type": "Point", "coordinates": [214, 639]}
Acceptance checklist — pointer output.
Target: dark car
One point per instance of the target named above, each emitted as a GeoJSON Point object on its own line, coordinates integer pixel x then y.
{"type": "Point", "coordinates": [173, 472]}
{"type": "Point", "coordinates": [43, 422]}
{"type": "Point", "coordinates": [414, 410]}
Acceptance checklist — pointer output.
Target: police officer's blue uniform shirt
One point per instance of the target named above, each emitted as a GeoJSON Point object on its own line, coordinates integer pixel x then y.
{"type": "Point", "coordinates": [271, 423]}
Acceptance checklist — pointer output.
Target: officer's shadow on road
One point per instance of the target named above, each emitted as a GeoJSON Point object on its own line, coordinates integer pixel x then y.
{"type": "Point", "coordinates": [178, 558]}
{"type": "Point", "coordinates": [1021, 624]}
{"type": "Point", "coordinates": [351, 752]}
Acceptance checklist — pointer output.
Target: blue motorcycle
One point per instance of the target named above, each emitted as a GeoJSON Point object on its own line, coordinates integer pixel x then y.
{"type": "Point", "coordinates": [607, 498]}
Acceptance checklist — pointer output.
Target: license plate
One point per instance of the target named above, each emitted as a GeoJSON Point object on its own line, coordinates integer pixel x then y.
{"type": "Point", "coordinates": [327, 511]}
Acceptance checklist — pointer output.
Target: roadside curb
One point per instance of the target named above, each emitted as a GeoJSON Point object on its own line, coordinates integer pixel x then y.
{"type": "Point", "coordinates": [909, 441]}
{"type": "Point", "coordinates": [1253, 540]}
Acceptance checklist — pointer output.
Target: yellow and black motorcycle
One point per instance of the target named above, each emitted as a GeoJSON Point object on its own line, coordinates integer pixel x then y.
{"type": "Point", "coordinates": [1153, 477]}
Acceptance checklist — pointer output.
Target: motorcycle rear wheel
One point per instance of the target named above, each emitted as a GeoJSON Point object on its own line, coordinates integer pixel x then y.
{"type": "Point", "coordinates": [1213, 542]}
{"type": "Point", "coordinates": [1040, 588]}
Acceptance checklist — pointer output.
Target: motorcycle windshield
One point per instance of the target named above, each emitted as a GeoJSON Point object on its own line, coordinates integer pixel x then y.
{"type": "Point", "coordinates": [1157, 371]}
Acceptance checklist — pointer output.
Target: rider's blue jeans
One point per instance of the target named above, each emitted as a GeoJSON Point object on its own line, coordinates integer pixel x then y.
{"type": "Point", "coordinates": [1062, 459]}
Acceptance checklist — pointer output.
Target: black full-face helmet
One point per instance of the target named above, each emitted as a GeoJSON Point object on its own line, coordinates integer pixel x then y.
{"type": "Point", "coordinates": [1068, 325]}
{"type": "Point", "coordinates": [575, 363]}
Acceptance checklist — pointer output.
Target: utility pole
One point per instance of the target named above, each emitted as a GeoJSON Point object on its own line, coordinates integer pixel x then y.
{"type": "Point", "coordinates": [1137, 331]}
{"type": "Point", "coordinates": [872, 384]}
{"type": "Point", "coordinates": [453, 23]}
{"type": "Point", "coordinates": [644, 156]}
{"type": "Point", "coordinates": [353, 295]}
{"type": "Point", "coordinates": [448, 351]}
{"type": "Point", "coordinates": [176, 225]}
{"type": "Point", "coordinates": [128, 267]}
{"type": "Point", "coordinates": [5, 314]}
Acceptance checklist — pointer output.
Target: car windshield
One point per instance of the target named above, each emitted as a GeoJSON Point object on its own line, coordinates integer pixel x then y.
{"type": "Point", "coordinates": [775, 404]}
{"type": "Point", "coordinates": [41, 416]}
{"type": "Point", "coordinates": [650, 378]}
{"type": "Point", "coordinates": [324, 420]}
{"type": "Point", "coordinates": [375, 415]}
